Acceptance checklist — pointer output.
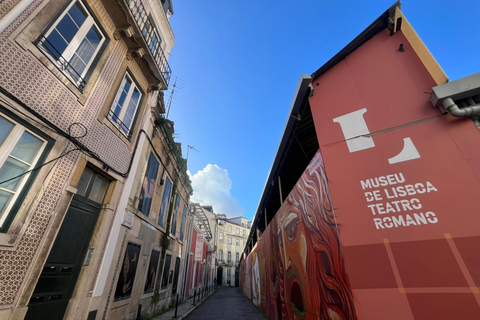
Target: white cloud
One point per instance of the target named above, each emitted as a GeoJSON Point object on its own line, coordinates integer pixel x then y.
{"type": "Point", "coordinates": [211, 186]}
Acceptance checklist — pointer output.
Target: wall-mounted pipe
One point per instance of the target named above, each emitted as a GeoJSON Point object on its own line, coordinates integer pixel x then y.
{"type": "Point", "coordinates": [454, 110]}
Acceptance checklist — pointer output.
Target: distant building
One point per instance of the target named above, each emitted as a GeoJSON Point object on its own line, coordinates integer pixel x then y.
{"type": "Point", "coordinates": [232, 236]}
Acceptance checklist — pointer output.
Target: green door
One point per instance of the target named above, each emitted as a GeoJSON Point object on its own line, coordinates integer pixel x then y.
{"type": "Point", "coordinates": [60, 273]}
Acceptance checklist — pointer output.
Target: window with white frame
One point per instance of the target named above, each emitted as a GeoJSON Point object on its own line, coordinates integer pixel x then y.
{"type": "Point", "coordinates": [237, 242]}
{"type": "Point", "coordinates": [221, 237]}
{"type": "Point", "coordinates": [229, 229]}
{"type": "Point", "coordinates": [244, 233]}
{"type": "Point", "coordinates": [237, 231]}
{"type": "Point", "coordinates": [220, 255]}
{"type": "Point", "coordinates": [73, 42]}
{"type": "Point", "coordinates": [125, 105]}
{"type": "Point", "coordinates": [229, 240]}
{"type": "Point", "coordinates": [237, 257]}
{"type": "Point", "coordinates": [20, 151]}
{"type": "Point", "coordinates": [229, 256]}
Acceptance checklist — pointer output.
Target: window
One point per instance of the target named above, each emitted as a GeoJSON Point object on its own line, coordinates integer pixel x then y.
{"type": "Point", "coordinates": [221, 237]}
{"type": "Point", "coordinates": [20, 151]}
{"type": "Point", "coordinates": [237, 242]}
{"type": "Point", "coordinates": [229, 240]}
{"type": "Point", "coordinates": [146, 193]}
{"type": "Point", "coordinates": [220, 255]}
{"type": "Point", "coordinates": [166, 270]}
{"type": "Point", "coordinates": [151, 36]}
{"type": "Point", "coordinates": [152, 272]}
{"type": "Point", "coordinates": [174, 217]}
{"type": "Point", "coordinates": [229, 256]}
{"type": "Point", "coordinates": [237, 257]}
{"type": "Point", "coordinates": [229, 229]}
{"type": "Point", "coordinates": [73, 42]}
{"type": "Point", "coordinates": [182, 225]}
{"type": "Point", "coordinates": [125, 105]}
{"type": "Point", "coordinates": [165, 199]}
{"type": "Point", "coordinates": [229, 272]}
{"type": "Point", "coordinates": [244, 233]}
{"type": "Point", "coordinates": [237, 231]}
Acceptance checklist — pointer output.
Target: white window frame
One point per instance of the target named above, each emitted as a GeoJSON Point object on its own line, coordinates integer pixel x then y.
{"type": "Point", "coordinates": [237, 230]}
{"type": "Point", "coordinates": [221, 237]}
{"type": "Point", "coordinates": [6, 149]}
{"type": "Point", "coordinates": [229, 229]}
{"type": "Point", "coordinates": [76, 41]}
{"type": "Point", "coordinates": [121, 116]}
{"type": "Point", "coordinates": [229, 240]}
{"type": "Point", "coordinates": [237, 242]}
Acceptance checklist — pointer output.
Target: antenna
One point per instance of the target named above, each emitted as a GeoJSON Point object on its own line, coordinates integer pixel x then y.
{"type": "Point", "coordinates": [171, 97]}
{"type": "Point", "coordinates": [188, 150]}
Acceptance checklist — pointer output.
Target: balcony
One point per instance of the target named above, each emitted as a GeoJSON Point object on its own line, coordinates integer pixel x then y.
{"type": "Point", "coordinates": [136, 26]}
{"type": "Point", "coordinates": [220, 262]}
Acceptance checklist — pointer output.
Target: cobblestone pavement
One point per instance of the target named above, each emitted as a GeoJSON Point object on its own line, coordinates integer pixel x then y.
{"type": "Point", "coordinates": [227, 303]}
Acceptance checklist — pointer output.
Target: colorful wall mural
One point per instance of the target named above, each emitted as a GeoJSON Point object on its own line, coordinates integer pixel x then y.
{"type": "Point", "coordinates": [296, 269]}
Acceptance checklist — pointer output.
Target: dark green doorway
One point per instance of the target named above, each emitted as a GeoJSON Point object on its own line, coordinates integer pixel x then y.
{"type": "Point", "coordinates": [60, 272]}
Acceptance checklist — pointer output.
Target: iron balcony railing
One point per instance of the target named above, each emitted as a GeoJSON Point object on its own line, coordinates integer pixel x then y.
{"type": "Point", "coordinates": [119, 124]}
{"type": "Point", "coordinates": [43, 44]}
{"type": "Point", "coordinates": [151, 36]}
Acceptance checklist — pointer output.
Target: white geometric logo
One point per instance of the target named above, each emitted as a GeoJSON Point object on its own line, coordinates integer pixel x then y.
{"type": "Point", "coordinates": [357, 137]}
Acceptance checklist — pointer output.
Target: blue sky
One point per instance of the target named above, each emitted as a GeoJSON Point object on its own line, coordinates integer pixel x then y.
{"type": "Point", "coordinates": [238, 64]}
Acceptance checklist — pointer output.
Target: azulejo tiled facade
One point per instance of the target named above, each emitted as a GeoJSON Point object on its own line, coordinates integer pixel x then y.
{"type": "Point", "coordinates": [80, 111]}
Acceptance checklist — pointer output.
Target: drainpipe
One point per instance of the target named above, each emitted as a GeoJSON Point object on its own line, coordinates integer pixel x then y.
{"type": "Point", "coordinates": [452, 108]}
{"type": "Point", "coordinates": [14, 13]}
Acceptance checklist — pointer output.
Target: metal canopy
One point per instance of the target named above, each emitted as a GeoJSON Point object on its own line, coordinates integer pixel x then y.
{"type": "Point", "coordinates": [201, 220]}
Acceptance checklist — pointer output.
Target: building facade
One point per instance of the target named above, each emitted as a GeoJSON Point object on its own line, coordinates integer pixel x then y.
{"type": "Point", "coordinates": [377, 219]}
{"type": "Point", "coordinates": [87, 229]}
{"type": "Point", "coordinates": [232, 236]}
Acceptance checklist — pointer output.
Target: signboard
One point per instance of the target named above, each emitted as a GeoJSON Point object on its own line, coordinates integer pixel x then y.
{"type": "Point", "coordinates": [128, 219]}
{"type": "Point", "coordinates": [199, 247]}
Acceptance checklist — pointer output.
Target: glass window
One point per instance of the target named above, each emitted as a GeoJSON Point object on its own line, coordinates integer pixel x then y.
{"type": "Point", "coordinates": [237, 242]}
{"type": "Point", "coordinates": [148, 185]}
{"type": "Point", "coordinates": [220, 255]}
{"type": "Point", "coordinates": [229, 229]}
{"type": "Point", "coordinates": [229, 240]}
{"type": "Point", "coordinates": [184, 215]}
{"type": "Point", "coordinates": [174, 222]}
{"type": "Point", "coordinates": [125, 105]}
{"type": "Point", "coordinates": [166, 270]}
{"type": "Point", "coordinates": [165, 199]}
{"type": "Point", "coordinates": [229, 256]}
{"type": "Point", "coordinates": [152, 272]}
{"type": "Point", "coordinates": [73, 42]}
{"type": "Point", "coordinates": [237, 257]}
{"type": "Point", "coordinates": [20, 151]}
{"type": "Point", "coordinates": [244, 233]}
{"type": "Point", "coordinates": [221, 237]}
{"type": "Point", "coordinates": [237, 231]}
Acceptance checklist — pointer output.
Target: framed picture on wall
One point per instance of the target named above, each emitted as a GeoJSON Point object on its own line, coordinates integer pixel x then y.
{"type": "Point", "coordinates": [127, 272]}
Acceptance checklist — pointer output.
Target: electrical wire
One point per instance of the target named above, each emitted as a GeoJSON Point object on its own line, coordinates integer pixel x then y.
{"type": "Point", "coordinates": [40, 166]}
{"type": "Point", "coordinates": [80, 146]}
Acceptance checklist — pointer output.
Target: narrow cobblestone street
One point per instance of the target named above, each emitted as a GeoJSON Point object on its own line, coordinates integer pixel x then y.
{"type": "Point", "coordinates": [227, 303]}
